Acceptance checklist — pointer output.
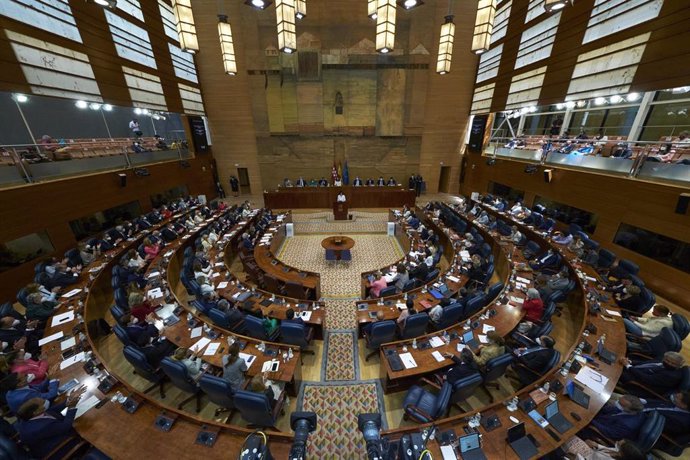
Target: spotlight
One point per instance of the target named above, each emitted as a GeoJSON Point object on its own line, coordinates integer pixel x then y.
{"type": "Point", "coordinates": [548, 175]}
{"type": "Point", "coordinates": [258, 4]}
{"type": "Point", "coordinates": [615, 99]}
{"type": "Point", "coordinates": [107, 107]}
{"type": "Point", "coordinates": [106, 3]}
{"type": "Point", "coordinates": [560, 106]}
{"type": "Point", "coordinates": [384, 50]}
{"type": "Point", "coordinates": [95, 106]}
{"type": "Point", "coordinates": [570, 104]}
{"type": "Point", "coordinates": [81, 104]}
{"type": "Point", "coordinates": [302, 423]}
{"type": "Point", "coordinates": [145, 111]}
{"type": "Point", "coordinates": [138, 111]}
{"type": "Point", "coordinates": [581, 103]}
{"type": "Point", "coordinates": [410, 4]}
{"type": "Point", "coordinates": [600, 101]}
{"type": "Point", "coordinates": [632, 97]}
{"type": "Point", "coordinates": [21, 98]}
{"type": "Point", "coordinates": [555, 5]}
{"type": "Point", "coordinates": [532, 109]}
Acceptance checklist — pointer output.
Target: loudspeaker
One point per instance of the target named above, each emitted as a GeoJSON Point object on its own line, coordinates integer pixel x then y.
{"type": "Point", "coordinates": [123, 179]}
{"type": "Point", "coordinates": [547, 175]}
{"type": "Point", "coordinates": [682, 205]}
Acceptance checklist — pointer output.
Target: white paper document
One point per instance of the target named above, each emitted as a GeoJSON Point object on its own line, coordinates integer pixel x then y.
{"type": "Point", "coordinates": [436, 342]}
{"type": "Point", "coordinates": [448, 453]}
{"type": "Point", "coordinates": [219, 264]}
{"type": "Point", "coordinates": [72, 359]}
{"type": "Point", "coordinates": [200, 345]}
{"type": "Point", "coordinates": [169, 253]}
{"type": "Point", "coordinates": [401, 306]}
{"type": "Point", "coordinates": [196, 332]}
{"type": "Point", "coordinates": [154, 293]}
{"type": "Point", "coordinates": [165, 311]}
{"type": "Point", "coordinates": [408, 361]}
{"type": "Point", "coordinates": [212, 348]}
{"type": "Point", "coordinates": [154, 274]}
{"type": "Point", "coordinates": [248, 359]}
{"type": "Point", "coordinates": [482, 338]}
{"type": "Point", "coordinates": [69, 343]}
{"type": "Point", "coordinates": [71, 293]}
{"type": "Point", "coordinates": [517, 300]}
{"type": "Point", "coordinates": [612, 312]}
{"type": "Point", "coordinates": [453, 278]}
{"type": "Point", "coordinates": [487, 328]}
{"type": "Point", "coordinates": [465, 255]}
{"type": "Point", "coordinates": [305, 315]}
{"type": "Point", "coordinates": [215, 275]}
{"type": "Point", "coordinates": [592, 379]}
{"type": "Point", "coordinates": [222, 285]}
{"type": "Point", "coordinates": [268, 364]}
{"type": "Point", "coordinates": [62, 318]}
{"type": "Point", "coordinates": [83, 406]}
{"type": "Point", "coordinates": [438, 356]}
{"type": "Point", "coordinates": [522, 280]}
{"type": "Point", "coordinates": [50, 338]}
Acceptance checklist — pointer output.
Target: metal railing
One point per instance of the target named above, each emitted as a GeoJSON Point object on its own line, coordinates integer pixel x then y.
{"type": "Point", "coordinates": [31, 163]}
{"type": "Point", "coordinates": [654, 161]}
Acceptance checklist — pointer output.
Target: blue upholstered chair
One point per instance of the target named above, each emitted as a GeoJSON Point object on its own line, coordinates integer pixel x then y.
{"type": "Point", "coordinates": [606, 259]}
{"type": "Point", "coordinates": [144, 369]}
{"type": "Point", "coordinates": [494, 290]}
{"type": "Point", "coordinates": [179, 376]}
{"type": "Point", "coordinates": [415, 325]}
{"type": "Point", "coordinates": [121, 298]}
{"type": "Point", "coordinates": [298, 335]}
{"type": "Point", "coordinates": [651, 430]}
{"type": "Point", "coordinates": [464, 388]}
{"type": "Point", "coordinates": [219, 391]}
{"type": "Point", "coordinates": [411, 284]}
{"type": "Point", "coordinates": [474, 305]}
{"type": "Point", "coordinates": [254, 327]}
{"type": "Point", "coordinates": [255, 408]}
{"type": "Point", "coordinates": [423, 406]}
{"type": "Point", "coordinates": [530, 375]}
{"type": "Point", "coordinates": [7, 309]}
{"type": "Point", "coordinates": [380, 332]}
{"type": "Point", "coordinates": [117, 312]}
{"type": "Point", "coordinates": [22, 295]}
{"type": "Point", "coordinates": [494, 369]}
{"type": "Point", "coordinates": [431, 275]}
{"type": "Point", "coordinates": [654, 348]}
{"type": "Point", "coordinates": [452, 314]}
{"type": "Point", "coordinates": [388, 291]}
{"type": "Point", "coordinates": [681, 326]}
{"type": "Point", "coordinates": [121, 334]}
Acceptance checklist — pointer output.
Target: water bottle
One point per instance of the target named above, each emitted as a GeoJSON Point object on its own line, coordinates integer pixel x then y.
{"type": "Point", "coordinates": [262, 346]}
{"type": "Point", "coordinates": [566, 368]}
{"type": "Point", "coordinates": [545, 387]}
{"type": "Point", "coordinates": [414, 343]}
{"type": "Point", "coordinates": [405, 297]}
{"type": "Point", "coordinates": [290, 354]}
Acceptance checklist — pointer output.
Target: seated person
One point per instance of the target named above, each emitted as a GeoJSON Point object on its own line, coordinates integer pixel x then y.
{"type": "Point", "coordinates": [377, 285]}
{"type": "Point", "coordinates": [21, 391]}
{"type": "Point", "coordinates": [436, 313]}
{"type": "Point", "coordinates": [190, 360]}
{"type": "Point", "coordinates": [88, 253]}
{"type": "Point", "coordinates": [533, 307]}
{"type": "Point", "coordinates": [391, 182]}
{"type": "Point", "coordinates": [547, 285]}
{"type": "Point", "coordinates": [662, 377]}
{"type": "Point", "coordinates": [533, 360]}
{"type": "Point", "coordinates": [676, 411]}
{"type": "Point", "coordinates": [625, 449]}
{"type": "Point", "coordinates": [420, 271]}
{"type": "Point", "coordinates": [483, 218]}
{"type": "Point", "coordinates": [357, 182]}
{"type": "Point", "coordinates": [300, 182]}
{"type": "Point", "coordinates": [234, 367]}
{"type": "Point", "coordinates": [287, 182]}
{"type": "Point", "coordinates": [577, 246]}
{"type": "Point", "coordinates": [337, 182]}
{"type": "Point", "coordinates": [42, 430]}
{"type": "Point", "coordinates": [406, 313]}
{"type": "Point", "coordinates": [429, 259]}
{"type": "Point", "coordinates": [134, 260]}
{"type": "Point", "coordinates": [323, 182]}
{"type": "Point", "coordinates": [341, 198]}
{"type": "Point", "coordinates": [586, 149]}
{"type": "Point", "coordinates": [22, 363]}
{"type": "Point", "coordinates": [259, 384]}
{"type": "Point", "coordinates": [516, 237]}
{"type": "Point", "coordinates": [617, 420]}
{"type": "Point", "coordinates": [465, 366]}
{"type": "Point", "coordinates": [401, 277]}
{"type": "Point", "coordinates": [381, 182]}
{"type": "Point", "coordinates": [160, 142]}
{"type": "Point", "coordinates": [561, 238]}
{"type": "Point", "coordinates": [60, 274]}
{"type": "Point", "coordinates": [649, 326]}
{"type": "Point", "coordinates": [36, 309]}
{"type": "Point", "coordinates": [17, 333]}
{"type": "Point", "coordinates": [380, 316]}
{"type": "Point", "coordinates": [232, 314]}
{"type": "Point", "coordinates": [290, 317]}
{"type": "Point", "coordinates": [370, 182]}
{"type": "Point", "coordinates": [493, 348]}
{"type": "Point", "coordinates": [313, 183]}
{"type": "Point", "coordinates": [141, 333]}
{"type": "Point", "coordinates": [139, 306]}
{"type": "Point", "coordinates": [630, 299]}
{"type": "Point", "coordinates": [546, 260]}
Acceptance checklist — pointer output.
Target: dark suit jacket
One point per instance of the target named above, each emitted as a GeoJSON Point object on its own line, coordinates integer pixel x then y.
{"type": "Point", "coordinates": [617, 425]}
{"type": "Point", "coordinates": [460, 370]}
{"type": "Point", "coordinates": [169, 235]}
{"type": "Point", "coordinates": [654, 376]}
{"type": "Point", "coordinates": [43, 434]}
{"type": "Point", "coordinates": [420, 271]}
{"type": "Point", "coordinates": [234, 316]}
{"type": "Point", "coordinates": [677, 419]}
{"type": "Point", "coordinates": [535, 359]}
{"type": "Point", "coordinates": [141, 334]}
{"type": "Point", "coordinates": [632, 303]}
{"type": "Point", "coordinates": [357, 182]}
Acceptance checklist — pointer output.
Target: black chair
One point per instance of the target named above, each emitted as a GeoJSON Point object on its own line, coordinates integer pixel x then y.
{"type": "Point", "coordinates": [681, 326]}
{"type": "Point", "coordinates": [388, 291]}
{"type": "Point", "coordinates": [415, 325]}
{"type": "Point", "coordinates": [298, 335]}
{"type": "Point", "coordinates": [144, 369]}
{"type": "Point", "coordinates": [494, 369]}
{"type": "Point", "coordinates": [219, 391]}
{"type": "Point", "coordinates": [179, 376]}
{"type": "Point", "coordinates": [654, 348]}
{"type": "Point", "coordinates": [493, 291]}
{"type": "Point", "coordinates": [256, 409]}
{"type": "Point", "coordinates": [381, 332]}
{"type": "Point", "coordinates": [409, 285]}
{"type": "Point", "coordinates": [121, 334]}
{"type": "Point", "coordinates": [425, 407]}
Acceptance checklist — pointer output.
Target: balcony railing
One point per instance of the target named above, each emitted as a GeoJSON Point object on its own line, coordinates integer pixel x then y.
{"type": "Point", "coordinates": [31, 163]}
{"type": "Point", "coordinates": [664, 161]}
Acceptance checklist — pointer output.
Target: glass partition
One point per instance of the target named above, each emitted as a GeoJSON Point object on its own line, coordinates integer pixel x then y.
{"type": "Point", "coordinates": [46, 138]}
{"type": "Point", "coordinates": [661, 248]}
{"type": "Point", "coordinates": [569, 214]}
{"type": "Point", "coordinates": [505, 191]}
{"type": "Point", "coordinates": [24, 249]}
{"type": "Point", "coordinates": [98, 222]}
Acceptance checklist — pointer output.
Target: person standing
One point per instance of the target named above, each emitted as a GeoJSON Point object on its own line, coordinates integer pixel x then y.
{"type": "Point", "coordinates": [418, 184]}
{"type": "Point", "coordinates": [234, 186]}
{"type": "Point", "coordinates": [134, 126]}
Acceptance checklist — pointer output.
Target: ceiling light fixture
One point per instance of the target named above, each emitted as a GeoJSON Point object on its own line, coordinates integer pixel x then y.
{"type": "Point", "coordinates": [600, 101]}
{"type": "Point", "coordinates": [385, 26]}
{"type": "Point", "coordinates": [258, 4]}
{"type": "Point", "coordinates": [301, 9]}
{"type": "Point", "coordinates": [107, 107]}
{"type": "Point", "coordinates": [483, 26]}
{"type": "Point", "coordinates": [95, 106]}
{"type": "Point", "coordinates": [285, 20]}
{"type": "Point", "coordinates": [445, 46]}
{"type": "Point", "coordinates": [106, 3]}
{"type": "Point", "coordinates": [21, 98]}
{"type": "Point", "coordinates": [410, 4]}
{"type": "Point", "coordinates": [555, 5]}
{"type": "Point", "coordinates": [81, 104]}
{"type": "Point", "coordinates": [227, 47]}
{"type": "Point", "coordinates": [615, 99]}
{"type": "Point", "coordinates": [570, 104]}
{"type": "Point", "coordinates": [371, 9]}
{"type": "Point", "coordinates": [560, 106]}
{"type": "Point", "coordinates": [632, 97]}
{"type": "Point", "coordinates": [186, 30]}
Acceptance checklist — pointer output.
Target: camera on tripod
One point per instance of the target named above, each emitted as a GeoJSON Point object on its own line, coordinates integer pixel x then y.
{"type": "Point", "coordinates": [411, 446]}
{"type": "Point", "coordinates": [255, 446]}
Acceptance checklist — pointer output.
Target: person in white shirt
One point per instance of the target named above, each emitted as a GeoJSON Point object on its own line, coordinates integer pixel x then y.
{"type": "Point", "coordinates": [515, 235]}
{"type": "Point", "coordinates": [649, 326]}
{"type": "Point", "coordinates": [338, 182]}
{"type": "Point", "coordinates": [135, 260]}
{"type": "Point", "coordinates": [190, 360]}
{"type": "Point", "coordinates": [134, 126]}
{"type": "Point", "coordinates": [341, 197]}
{"type": "Point", "coordinates": [429, 258]}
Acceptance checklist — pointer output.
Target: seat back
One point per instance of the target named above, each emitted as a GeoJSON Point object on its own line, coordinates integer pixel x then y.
{"type": "Point", "coordinates": [409, 285]}
{"type": "Point", "coordinates": [464, 388]}
{"type": "Point", "coordinates": [121, 334]}
{"type": "Point", "coordinates": [387, 291]}
{"type": "Point", "coordinates": [667, 340]}
{"type": "Point", "coordinates": [254, 408]}
{"type": "Point", "coordinates": [40, 267]}
{"type": "Point", "coordinates": [117, 312]}
{"type": "Point", "coordinates": [650, 431]}
{"type": "Point", "coordinates": [22, 294]}
{"type": "Point", "coordinates": [73, 257]}
{"type": "Point", "coordinates": [140, 364]}
{"type": "Point", "coordinates": [606, 258]}
{"type": "Point", "coordinates": [7, 309]}
{"type": "Point", "coordinates": [218, 390]}
{"type": "Point", "coordinates": [474, 305]}
{"type": "Point", "coordinates": [121, 299]}
{"type": "Point", "coordinates": [451, 315]}
{"type": "Point", "coordinates": [381, 332]}
{"type": "Point", "coordinates": [574, 229]}
{"type": "Point", "coordinates": [178, 375]}
{"type": "Point", "coordinates": [293, 334]}
{"type": "Point", "coordinates": [431, 275]}
{"type": "Point", "coordinates": [330, 255]}
{"type": "Point", "coordinates": [637, 281]}
{"type": "Point", "coordinates": [630, 267]}
{"type": "Point", "coordinates": [680, 325]}
{"type": "Point", "coordinates": [10, 450]}
{"type": "Point", "coordinates": [346, 255]}
{"type": "Point", "coordinates": [532, 249]}
{"type": "Point", "coordinates": [555, 359]}
{"type": "Point", "coordinates": [254, 327]}
{"type": "Point", "coordinates": [648, 299]}
{"type": "Point", "coordinates": [685, 379]}
{"type": "Point", "coordinates": [494, 290]}
{"type": "Point", "coordinates": [219, 319]}
{"type": "Point", "coordinates": [415, 325]}
{"type": "Point", "coordinates": [442, 401]}
{"type": "Point", "coordinates": [497, 366]}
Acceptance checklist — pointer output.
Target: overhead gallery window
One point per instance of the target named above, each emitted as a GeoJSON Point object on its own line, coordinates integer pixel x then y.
{"type": "Point", "coordinates": [24, 249]}
{"type": "Point", "coordinates": [664, 249]}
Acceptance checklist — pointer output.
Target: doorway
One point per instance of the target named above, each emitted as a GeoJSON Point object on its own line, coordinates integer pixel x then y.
{"type": "Point", "coordinates": [243, 176]}
{"type": "Point", "coordinates": [444, 180]}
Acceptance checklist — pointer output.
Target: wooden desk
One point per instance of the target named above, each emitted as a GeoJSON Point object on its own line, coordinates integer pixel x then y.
{"type": "Point", "coordinates": [338, 244]}
{"type": "Point", "coordinates": [324, 197]}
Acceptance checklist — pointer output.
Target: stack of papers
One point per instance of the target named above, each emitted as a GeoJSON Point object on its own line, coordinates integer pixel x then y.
{"type": "Point", "coordinates": [196, 332]}
{"type": "Point", "coordinates": [522, 280]}
{"type": "Point", "coordinates": [222, 285]}
{"type": "Point", "coordinates": [50, 338]}
{"type": "Point", "coordinates": [153, 274]}
{"type": "Point", "coordinates": [71, 293]}
{"type": "Point", "coordinates": [487, 328]}
{"type": "Point", "coordinates": [482, 338]}
{"type": "Point", "coordinates": [436, 342]}
{"type": "Point", "coordinates": [517, 300]}
{"type": "Point", "coordinates": [408, 361]}
{"type": "Point", "coordinates": [438, 356]}
{"type": "Point", "coordinates": [200, 345]}
{"type": "Point", "coordinates": [154, 293]}
{"type": "Point", "coordinates": [401, 306]}
{"type": "Point", "coordinates": [612, 312]}
{"type": "Point", "coordinates": [212, 348]}
{"type": "Point", "coordinates": [72, 360]}
{"type": "Point", "coordinates": [592, 379]}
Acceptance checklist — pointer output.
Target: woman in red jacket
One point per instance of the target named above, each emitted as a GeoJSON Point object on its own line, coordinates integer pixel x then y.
{"type": "Point", "coordinates": [533, 306]}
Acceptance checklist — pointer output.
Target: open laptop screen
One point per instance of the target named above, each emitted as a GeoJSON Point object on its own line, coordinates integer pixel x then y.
{"type": "Point", "coordinates": [516, 432]}
{"type": "Point", "coordinates": [469, 442]}
{"type": "Point", "coordinates": [551, 409]}
{"type": "Point", "coordinates": [467, 336]}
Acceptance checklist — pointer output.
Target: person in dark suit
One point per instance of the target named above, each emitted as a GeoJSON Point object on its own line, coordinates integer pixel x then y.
{"type": "Point", "coordinates": [169, 234]}
{"type": "Point", "coordinates": [420, 271]}
{"type": "Point", "coordinates": [546, 260]}
{"type": "Point", "coordinates": [662, 377]}
{"type": "Point", "coordinates": [465, 366]}
{"type": "Point", "coordinates": [357, 182]}
{"type": "Point", "coordinates": [676, 411]}
{"type": "Point", "coordinates": [630, 299]}
{"type": "Point", "coordinates": [43, 430]}
{"type": "Point", "coordinates": [370, 182]}
{"type": "Point", "coordinates": [381, 182]}
{"type": "Point", "coordinates": [22, 392]}
{"type": "Point", "coordinates": [391, 182]}
{"type": "Point", "coordinates": [140, 333]}
{"type": "Point", "coordinates": [323, 182]}
{"type": "Point", "coordinates": [13, 331]}
{"type": "Point", "coordinates": [232, 314]}
{"type": "Point", "coordinates": [411, 182]}
{"type": "Point", "coordinates": [300, 182]}
{"type": "Point", "coordinates": [532, 361]}
{"type": "Point", "coordinates": [616, 421]}
{"type": "Point", "coordinates": [290, 317]}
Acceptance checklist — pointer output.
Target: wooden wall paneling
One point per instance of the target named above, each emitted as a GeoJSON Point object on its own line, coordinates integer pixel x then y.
{"type": "Point", "coordinates": [50, 206]}
{"type": "Point", "coordinates": [390, 102]}
{"type": "Point", "coordinates": [616, 200]}
{"type": "Point", "coordinates": [448, 100]}
{"type": "Point", "coordinates": [228, 99]}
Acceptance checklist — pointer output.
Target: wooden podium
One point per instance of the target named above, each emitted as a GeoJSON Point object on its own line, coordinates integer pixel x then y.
{"type": "Point", "coordinates": [340, 211]}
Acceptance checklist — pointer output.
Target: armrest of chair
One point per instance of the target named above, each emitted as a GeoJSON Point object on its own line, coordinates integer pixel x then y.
{"type": "Point", "coordinates": [420, 413]}
{"type": "Point", "coordinates": [640, 357]}
{"type": "Point", "coordinates": [647, 389]}
{"type": "Point", "coordinates": [635, 338]}
{"type": "Point", "coordinates": [432, 383]}
{"type": "Point", "coordinates": [533, 372]}
{"type": "Point", "coordinates": [601, 437]}
{"type": "Point", "coordinates": [64, 443]}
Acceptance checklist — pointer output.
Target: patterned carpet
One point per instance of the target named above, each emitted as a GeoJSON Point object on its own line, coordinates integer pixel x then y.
{"type": "Point", "coordinates": [340, 357]}
{"type": "Point", "coordinates": [337, 407]}
{"type": "Point", "coordinates": [341, 313]}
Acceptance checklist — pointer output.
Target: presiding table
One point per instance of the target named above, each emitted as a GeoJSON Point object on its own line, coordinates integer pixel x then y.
{"type": "Point", "coordinates": [324, 197]}
{"type": "Point", "coordinates": [338, 244]}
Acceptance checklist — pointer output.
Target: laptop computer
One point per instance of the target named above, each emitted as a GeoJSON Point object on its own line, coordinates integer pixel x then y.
{"type": "Point", "coordinates": [469, 340]}
{"type": "Point", "coordinates": [470, 449]}
{"type": "Point", "coordinates": [576, 394]}
{"type": "Point", "coordinates": [605, 355]}
{"type": "Point", "coordinates": [520, 443]}
{"type": "Point", "coordinates": [441, 293]}
{"type": "Point", "coordinates": [556, 419]}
